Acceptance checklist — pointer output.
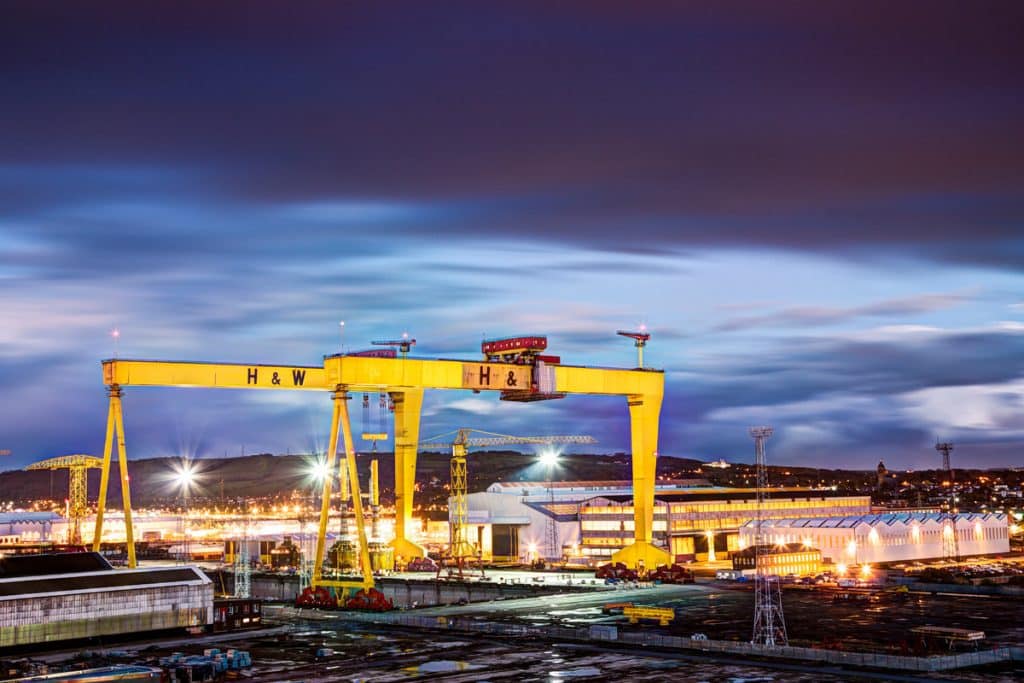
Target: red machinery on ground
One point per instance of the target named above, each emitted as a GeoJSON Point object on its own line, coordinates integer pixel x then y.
{"type": "Point", "coordinates": [421, 564]}
{"type": "Point", "coordinates": [318, 597]}
{"type": "Point", "coordinates": [617, 571]}
{"type": "Point", "coordinates": [673, 574]}
{"type": "Point", "coordinates": [371, 601]}
{"type": "Point", "coordinates": [664, 573]}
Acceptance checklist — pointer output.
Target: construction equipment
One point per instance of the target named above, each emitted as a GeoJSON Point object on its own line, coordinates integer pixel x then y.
{"type": "Point", "coordinates": [616, 571]}
{"type": "Point", "coordinates": [404, 380]}
{"type": "Point", "coordinates": [461, 549]}
{"type": "Point", "coordinates": [640, 340]}
{"type": "Point", "coordinates": [381, 433]}
{"type": "Point", "coordinates": [540, 384]}
{"type": "Point", "coordinates": [404, 345]}
{"type": "Point", "coordinates": [674, 574]}
{"type": "Point", "coordinates": [663, 615]}
{"type": "Point", "coordinates": [78, 488]}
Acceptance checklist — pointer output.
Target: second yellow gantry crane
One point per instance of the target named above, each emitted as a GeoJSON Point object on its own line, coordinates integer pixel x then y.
{"type": "Point", "coordinates": [78, 467]}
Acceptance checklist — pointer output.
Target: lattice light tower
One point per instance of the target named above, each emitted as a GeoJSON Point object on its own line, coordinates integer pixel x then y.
{"type": "Point", "coordinates": [243, 567]}
{"type": "Point", "coordinates": [950, 537]}
{"type": "Point", "coordinates": [78, 467]}
{"type": "Point", "coordinates": [769, 623]}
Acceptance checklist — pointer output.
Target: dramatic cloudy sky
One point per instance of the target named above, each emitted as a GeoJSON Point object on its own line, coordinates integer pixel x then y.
{"type": "Point", "coordinates": [818, 209]}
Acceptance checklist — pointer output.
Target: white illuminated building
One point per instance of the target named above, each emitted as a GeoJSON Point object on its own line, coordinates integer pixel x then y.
{"type": "Point", "coordinates": [889, 537]}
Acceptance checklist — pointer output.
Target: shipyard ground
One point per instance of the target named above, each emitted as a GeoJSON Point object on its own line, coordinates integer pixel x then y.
{"type": "Point", "coordinates": [365, 648]}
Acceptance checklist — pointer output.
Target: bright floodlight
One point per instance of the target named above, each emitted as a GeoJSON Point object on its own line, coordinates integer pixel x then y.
{"type": "Point", "coordinates": [318, 471]}
{"type": "Point", "coordinates": [185, 476]}
{"type": "Point", "coordinates": [549, 457]}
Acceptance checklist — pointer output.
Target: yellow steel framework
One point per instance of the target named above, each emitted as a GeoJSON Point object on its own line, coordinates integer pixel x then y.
{"type": "Point", "coordinates": [405, 380]}
{"type": "Point", "coordinates": [78, 467]}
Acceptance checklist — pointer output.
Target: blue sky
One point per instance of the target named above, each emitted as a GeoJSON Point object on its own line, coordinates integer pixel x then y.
{"type": "Point", "coordinates": [817, 211]}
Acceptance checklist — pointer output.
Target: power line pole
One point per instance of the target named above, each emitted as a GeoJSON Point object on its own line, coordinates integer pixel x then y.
{"type": "Point", "coordinates": [769, 623]}
{"type": "Point", "coordinates": [950, 534]}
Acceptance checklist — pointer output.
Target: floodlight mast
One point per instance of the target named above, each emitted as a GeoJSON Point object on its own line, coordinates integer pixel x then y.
{"type": "Point", "coordinates": [769, 624]}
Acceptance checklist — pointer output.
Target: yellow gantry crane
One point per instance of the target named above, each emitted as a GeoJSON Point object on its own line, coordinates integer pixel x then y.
{"type": "Point", "coordinates": [512, 367]}
{"type": "Point", "coordinates": [460, 548]}
{"type": "Point", "coordinates": [78, 466]}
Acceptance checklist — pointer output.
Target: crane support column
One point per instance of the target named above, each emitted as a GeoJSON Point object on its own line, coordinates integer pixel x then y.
{"type": "Point", "coordinates": [408, 404]}
{"type": "Point", "coordinates": [644, 411]}
{"type": "Point", "coordinates": [325, 496]}
{"type": "Point", "coordinates": [115, 423]}
{"type": "Point", "coordinates": [357, 498]}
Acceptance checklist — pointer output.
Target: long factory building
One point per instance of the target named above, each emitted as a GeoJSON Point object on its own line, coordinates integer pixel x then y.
{"type": "Point", "coordinates": [46, 598]}
{"type": "Point", "coordinates": [888, 537]}
{"type": "Point", "coordinates": [589, 520]}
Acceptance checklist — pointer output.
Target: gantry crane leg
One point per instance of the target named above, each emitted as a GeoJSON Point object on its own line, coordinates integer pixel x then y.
{"type": "Point", "coordinates": [643, 422]}
{"type": "Point", "coordinates": [325, 495]}
{"type": "Point", "coordinates": [357, 498]}
{"type": "Point", "coordinates": [339, 418]}
{"type": "Point", "coordinates": [115, 424]}
{"type": "Point", "coordinates": [408, 404]}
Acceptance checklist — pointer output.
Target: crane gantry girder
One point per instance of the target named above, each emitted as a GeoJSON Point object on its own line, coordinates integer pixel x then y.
{"type": "Point", "coordinates": [63, 462]}
{"type": "Point", "coordinates": [405, 380]}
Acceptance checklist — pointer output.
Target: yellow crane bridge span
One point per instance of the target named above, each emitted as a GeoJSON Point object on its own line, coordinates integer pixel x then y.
{"type": "Point", "coordinates": [404, 379]}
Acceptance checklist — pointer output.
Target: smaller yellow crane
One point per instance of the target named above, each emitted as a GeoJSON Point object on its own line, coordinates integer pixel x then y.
{"type": "Point", "coordinates": [460, 548]}
{"type": "Point", "coordinates": [78, 466]}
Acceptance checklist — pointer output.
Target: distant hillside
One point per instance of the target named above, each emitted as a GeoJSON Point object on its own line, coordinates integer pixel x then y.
{"type": "Point", "coordinates": [273, 476]}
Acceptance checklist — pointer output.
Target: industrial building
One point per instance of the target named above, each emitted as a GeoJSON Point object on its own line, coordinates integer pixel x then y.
{"type": "Point", "coordinates": [47, 598]}
{"type": "Point", "coordinates": [889, 537]}
{"type": "Point", "coordinates": [589, 520]}
{"type": "Point", "coordinates": [791, 559]}
{"type": "Point", "coordinates": [30, 527]}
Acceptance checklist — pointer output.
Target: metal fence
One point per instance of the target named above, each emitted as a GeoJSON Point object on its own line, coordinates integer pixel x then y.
{"type": "Point", "coordinates": [723, 647]}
